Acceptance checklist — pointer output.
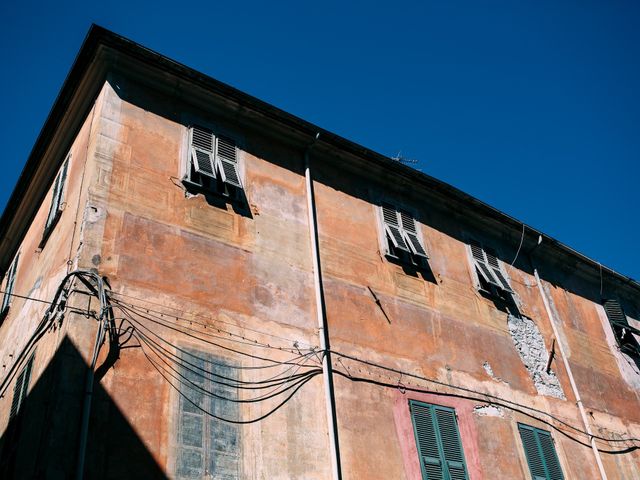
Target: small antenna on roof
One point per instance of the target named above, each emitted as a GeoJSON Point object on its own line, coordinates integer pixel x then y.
{"type": "Point", "coordinates": [407, 161]}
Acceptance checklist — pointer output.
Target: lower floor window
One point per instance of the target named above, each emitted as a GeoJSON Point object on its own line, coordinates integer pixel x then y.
{"type": "Point", "coordinates": [541, 453]}
{"type": "Point", "coordinates": [207, 447]}
{"type": "Point", "coordinates": [438, 442]}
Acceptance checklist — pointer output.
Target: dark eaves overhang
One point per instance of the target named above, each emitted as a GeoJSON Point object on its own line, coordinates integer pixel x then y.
{"type": "Point", "coordinates": [26, 198]}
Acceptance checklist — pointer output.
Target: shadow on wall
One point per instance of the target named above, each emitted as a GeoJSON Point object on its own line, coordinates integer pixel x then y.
{"type": "Point", "coordinates": [42, 440]}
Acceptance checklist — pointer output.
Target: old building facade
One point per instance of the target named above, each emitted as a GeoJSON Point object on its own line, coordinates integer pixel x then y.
{"type": "Point", "coordinates": [199, 285]}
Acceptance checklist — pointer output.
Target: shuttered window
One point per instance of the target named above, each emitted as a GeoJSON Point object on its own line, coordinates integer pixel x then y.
{"type": "Point", "coordinates": [207, 447]}
{"type": "Point", "coordinates": [55, 209]}
{"type": "Point", "coordinates": [541, 453]}
{"type": "Point", "coordinates": [488, 266]}
{"type": "Point", "coordinates": [623, 332]}
{"type": "Point", "coordinates": [401, 231]}
{"type": "Point", "coordinates": [438, 442]}
{"type": "Point", "coordinates": [20, 389]}
{"type": "Point", "coordinates": [8, 286]}
{"type": "Point", "coordinates": [213, 157]}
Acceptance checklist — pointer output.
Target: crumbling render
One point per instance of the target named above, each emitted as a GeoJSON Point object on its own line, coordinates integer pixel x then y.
{"type": "Point", "coordinates": [534, 355]}
{"type": "Point", "coordinates": [488, 411]}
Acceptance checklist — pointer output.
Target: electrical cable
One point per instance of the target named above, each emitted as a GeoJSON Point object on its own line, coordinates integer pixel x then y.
{"type": "Point", "coordinates": [217, 320]}
{"type": "Point", "coordinates": [469, 390]}
{"type": "Point", "coordinates": [273, 393]}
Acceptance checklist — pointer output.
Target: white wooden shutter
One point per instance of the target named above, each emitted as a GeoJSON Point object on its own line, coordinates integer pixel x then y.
{"type": "Point", "coordinates": [492, 261]}
{"type": "Point", "coordinates": [480, 262]}
{"type": "Point", "coordinates": [8, 287]}
{"type": "Point", "coordinates": [55, 200]}
{"type": "Point", "coordinates": [227, 161]}
{"type": "Point", "coordinates": [392, 227]}
{"type": "Point", "coordinates": [202, 158]}
{"type": "Point", "coordinates": [410, 233]}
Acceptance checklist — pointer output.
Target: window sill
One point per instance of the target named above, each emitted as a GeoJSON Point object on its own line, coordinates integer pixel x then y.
{"type": "Point", "coordinates": [196, 188]}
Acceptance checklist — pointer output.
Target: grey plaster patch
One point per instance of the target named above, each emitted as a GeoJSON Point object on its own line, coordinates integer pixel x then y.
{"type": "Point", "coordinates": [530, 345]}
{"type": "Point", "coordinates": [488, 411]}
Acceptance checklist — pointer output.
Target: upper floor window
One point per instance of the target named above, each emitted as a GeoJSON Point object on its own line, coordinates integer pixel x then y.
{"type": "Point", "coordinates": [541, 453]}
{"type": "Point", "coordinates": [402, 236]}
{"type": "Point", "coordinates": [57, 200]}
{"type": "Point", "coordinates": [490, 274]}
{"type": "Point", "coordinates": [213, 162]}
{"type": "Point", "coordinates": [8, 287]}
{"type": "Point", "coordinates": [438, 442]}
{"type": "Point", "coordinates": [623, 332]}
{"type": "Point", "coordinates": [21, 387]}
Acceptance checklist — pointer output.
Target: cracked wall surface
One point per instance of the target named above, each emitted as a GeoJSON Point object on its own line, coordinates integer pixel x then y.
{"type": "Point", "coordinates": [530, 345]}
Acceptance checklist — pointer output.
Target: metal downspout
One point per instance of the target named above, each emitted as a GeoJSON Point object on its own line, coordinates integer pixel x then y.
{"type": "Point", "coordinates": [574, 387]}
{"type": "Point", "coordinates": [323, 333]}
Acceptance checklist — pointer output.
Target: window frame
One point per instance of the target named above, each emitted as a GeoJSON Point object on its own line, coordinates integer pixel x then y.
{"type": "Point", "coordinates": [217, 183]}
{"type": "Point", "coordinates": [542, 461]}
{"type": "Point", "coordinates": [57, 201]}
{"type": "Point", "coordinates": [444, 462]}
{"type": "Point", "coordinates": [483, 284]}
{"type": "Point", "coordinates": [617, 326]}
{"type": "Point", "coordinates": [407, 253]}
{"type": "Point", "coordinates": [9, 279]}
{"type": "Point", "coordinates": [208, 448]}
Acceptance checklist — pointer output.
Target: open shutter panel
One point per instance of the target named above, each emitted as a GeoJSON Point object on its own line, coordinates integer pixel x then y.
{"type": "Point", "coordinates": [549, 455]}
{"type": "Point", "coordinates": [481, 264]}
{"type": "Point", "coordinates": [202, 143]}
{"type": "Point", "coordinates": [410, 230]}
{"type": "Point", "coordinates": [451, 446]}
{"type": "Point", "coordinates": [615, 314]}
{"type": "Point", "coordinates": [20, 389]}
{"type": "Point", "coordinates": [53, 209]}
{"type": "Point", "coordinates": [226, 157]}
{"type": "Point", "coordinates": [492, 260]}
{"type": "Point", "coordinates": [532, 452]}
{"type": "Point", "coordinates": [63, 180]}
{"type": "Point", "coordinates": [8, 288]}
{"type": "Point", "coordinates": [427, 442]}
{"type": "Point", "coordinates": [392, 228]}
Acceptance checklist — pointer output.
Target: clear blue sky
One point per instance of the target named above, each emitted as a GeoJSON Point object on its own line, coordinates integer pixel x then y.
{"type": "Point", "coordinates": [533, 107]}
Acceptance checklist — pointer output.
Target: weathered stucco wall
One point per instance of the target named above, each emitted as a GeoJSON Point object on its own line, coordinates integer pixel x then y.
{"type": "Point", "coordinates": [240, 275]}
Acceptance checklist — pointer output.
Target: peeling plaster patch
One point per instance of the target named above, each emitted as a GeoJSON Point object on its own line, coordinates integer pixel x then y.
{"type": "Point", "coordinates": [530, 345]}
{"type": "Point", "coordinates": [36, 286]}
{"type": "Point", "coordinates": [488, 411]}
{"type": "Point", "coordinates": [489, 370]}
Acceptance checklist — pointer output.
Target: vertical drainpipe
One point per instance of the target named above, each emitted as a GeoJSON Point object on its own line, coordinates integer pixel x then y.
{"type": "Point", "coordinates": [323, 332]}
{"type": "Point", "coordinates": [567, 367]}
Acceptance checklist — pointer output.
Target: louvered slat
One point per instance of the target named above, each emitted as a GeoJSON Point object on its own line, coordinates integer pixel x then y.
{"type": "Point", "coordinates": [532, 452]}
{"type": "Point", "coordinates": [228, 163]}
{"type": "Point", "coordinates": [549, 454]}
{"type": "Point", "coordinates": [451, 446]}
{"type": "Point", "coordinates": [202, 141]}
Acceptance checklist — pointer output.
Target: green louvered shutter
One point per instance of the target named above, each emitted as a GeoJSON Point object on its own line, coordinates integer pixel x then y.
{"type": "Point", "coordinates": [451, 446]}
{"type": "Point", "coordinates": [541, 453]}
{"type": "Point", "coordinates": [427, 441]}
{"type": "Point", "coordinates": [438, 442]}
{"type": "Point", "coordinates": [549, 455]}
